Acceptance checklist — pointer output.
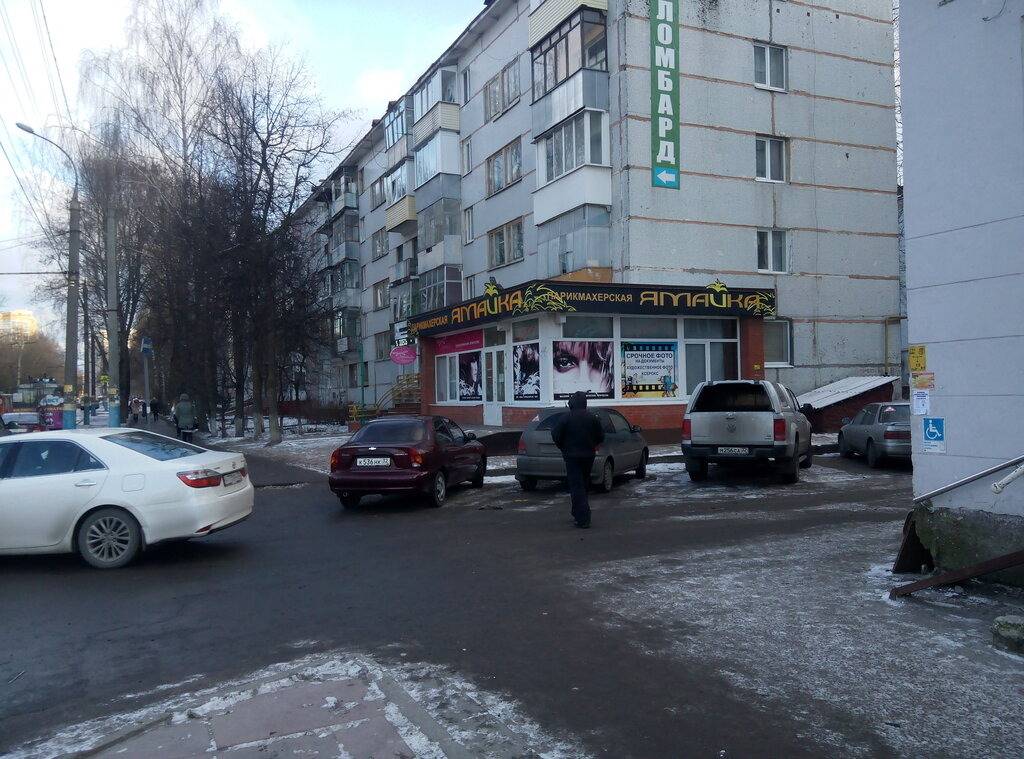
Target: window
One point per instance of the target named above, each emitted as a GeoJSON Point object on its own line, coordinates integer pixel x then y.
{"type": "Point", "coordinates": [37, 459]}
{"type": "Point", "coordinates": [428, 160]}
{"type": "Point", "coordinates": [648, 327]}
{"type": "Point", "coordinates": [467, 156]}
{"type": "Point", "coordinates": [505, 244]}
{"type": "Point", "coordinates": [440, 88]}
{"type": "Point", "coordinates": [771, 159]}
{"type": "Point", "coordinates": [711, 350]}
{"type": "Point", "coordinates": [379, 243]}
{"type": "Point", "coordinates": [357, 374]}
{"type": "Point", "coordinates": [574, 143]}
{"type": "Point", "coordinates": [380, 295]}
{"type": "Point", "coordinates": [440, 287]}
{"type": "Point", "coordinates": [502, 92]}
{"type": "Point", "coordinates": [467, 91]}
{"type": "Point", "coordinates": [349, 275]}
{"type": "Point", "coordinates": [381, 345]}
{"type": "Point", "coordinates": [397, 122]}
{"type": "Point", "coordinates": [446, 377]}
{"type": "Point", "coordinates": [576, 240]}
{"type": "Point", "coordinates": [771, 251]}
{"type": "Point", "coordinates": [587, 326]}
{"type": "Point", "coordinates": [467, 225]}
{"type": "Point", "coordinates": [469, 288]}
{"type": "Point", "coordinates": [505, 167]}
{"type": "Point", "coordinates": [377, 193]}
{"type": "Point", "coordinates": [579, 43]}
{"type": "Point", "coordinates": [397, 184]}
{"type": "Point", "coordinates": [777, 342]}
{"type": "Point", "coordinates": [438, 220]}
{"type": "Point", "coordinates": [770, 66]}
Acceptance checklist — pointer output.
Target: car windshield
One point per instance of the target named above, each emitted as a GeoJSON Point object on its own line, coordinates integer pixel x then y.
{"type": "Point", "coordinates": [391, 431]}
{"type": "Point", "coordinates": [155, 446]}
{"type": "Point", "coordinates": [890, 414]}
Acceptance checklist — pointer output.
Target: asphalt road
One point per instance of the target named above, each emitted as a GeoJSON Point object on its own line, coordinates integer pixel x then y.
{"type": "Point", "coordinates": [498, 586]}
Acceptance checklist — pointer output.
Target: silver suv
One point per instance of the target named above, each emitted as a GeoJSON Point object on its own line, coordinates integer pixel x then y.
{"type": "Point", "coordinates": [745, 421]}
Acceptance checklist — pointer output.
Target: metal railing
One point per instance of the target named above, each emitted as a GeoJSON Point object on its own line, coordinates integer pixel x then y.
{"type": "Point", "coordinates": [974, 477]}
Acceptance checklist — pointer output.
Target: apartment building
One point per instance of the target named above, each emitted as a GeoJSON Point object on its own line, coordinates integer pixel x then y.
{"type": "Point", "coordinates": [624, 197]}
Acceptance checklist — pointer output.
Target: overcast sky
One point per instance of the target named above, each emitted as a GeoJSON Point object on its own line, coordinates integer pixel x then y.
{"type": "Point", "coordinates": [362, 53]}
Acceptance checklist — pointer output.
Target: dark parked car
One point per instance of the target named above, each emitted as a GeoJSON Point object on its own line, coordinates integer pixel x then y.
{"type": "Point", "coordinates": [879, 431]}
{"type": "Point", "coordinates": [413, 454]}
{"type": "Point", "coordinates": [624, 449]}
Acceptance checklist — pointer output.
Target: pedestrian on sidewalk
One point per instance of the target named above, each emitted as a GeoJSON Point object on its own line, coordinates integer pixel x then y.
{"type": "Point", "coordinates": [577, 435]}
{"type": "Point", "coordinates": [154, 407]}
{"type": "Point", "coordinates": [136, 406]}
{"type": "Point", "coordinates": [185, 413]}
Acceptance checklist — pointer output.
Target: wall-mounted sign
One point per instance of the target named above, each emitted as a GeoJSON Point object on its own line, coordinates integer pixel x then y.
{"type": "Point", "coordinates": [715, 299]}
{"type": "Point", "coordinates": [649, 370]}
{"type": "Point", "coordinates": [922, 380]}
{"type": "Point", "coordinates": [917, 358]}
{"type": "Point", "coordinates": [403, 354]}
{"type": "Point", "coordinates": [465, 341]}
{"type": "Point", "coordinates": [933, 434]}
{"type": "Point", "coordinates": [665, 94]}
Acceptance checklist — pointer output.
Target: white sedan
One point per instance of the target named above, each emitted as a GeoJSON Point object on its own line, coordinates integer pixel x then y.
{"type": "Point", "coordinates": [108, 493]}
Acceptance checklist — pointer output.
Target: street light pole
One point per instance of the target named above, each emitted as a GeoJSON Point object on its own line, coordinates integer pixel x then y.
{"type": "Point", "coordinates": [71, 329]}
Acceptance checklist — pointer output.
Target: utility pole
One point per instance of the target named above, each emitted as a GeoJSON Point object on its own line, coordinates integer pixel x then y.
{"type": "Point", "coordinates": [113, 323]}
{"type": "Point", "coordinates": [71, 327]}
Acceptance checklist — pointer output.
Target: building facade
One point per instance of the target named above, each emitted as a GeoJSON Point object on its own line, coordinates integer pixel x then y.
{"type": "Point", "coordinates": [963, 116]}
{"type": "Point", "coordinates": [628, 197]}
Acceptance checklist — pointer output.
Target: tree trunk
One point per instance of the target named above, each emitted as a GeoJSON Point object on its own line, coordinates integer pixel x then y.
{"type": "Point", "coordinates": [273, 383]}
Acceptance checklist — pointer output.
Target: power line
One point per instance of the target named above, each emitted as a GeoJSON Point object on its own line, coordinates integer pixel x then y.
{"type": "Point", "coordinates": [56, 65]}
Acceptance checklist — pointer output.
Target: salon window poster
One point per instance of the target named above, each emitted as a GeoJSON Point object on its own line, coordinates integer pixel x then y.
{"type": "Point", "coordinates": [649, 370]}
{"type": "Point", "coordinates": [526, 372]}
{"type": "Point", "coordinates": [469, 376]}
{"type": "Point", "coordinates": [587, 365]}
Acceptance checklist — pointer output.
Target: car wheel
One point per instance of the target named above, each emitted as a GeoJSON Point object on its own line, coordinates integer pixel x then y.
{"type": "Point", "coordinates": [478, 476]}
{"type": "Point", "coordinates": [844, 449]}
{"type": "Point", "coordinates": [789, 470]}
{"type": "Point", "coordinates": [641, 471]}
{"type": "Point", "coordinates": [697, 469]}
{"type": "Point", "coordinates": [349, 501]}
{"type": "Point", "coordinates": [439, 490]}
{"type": "Point", "coordinates": [807, 460]}
{"type": "Point", "coordinates": [109, 538]}
{"type": "Point", "coordinates": [607, 476]}
{"type": "Point", "coordinates": [527, 483]}
{"type": "Point", "coordinates": [874, 459]}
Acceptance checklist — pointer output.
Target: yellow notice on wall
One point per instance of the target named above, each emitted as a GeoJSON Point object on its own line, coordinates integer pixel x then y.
{"type": "Point", "coordinates": [918, 357]}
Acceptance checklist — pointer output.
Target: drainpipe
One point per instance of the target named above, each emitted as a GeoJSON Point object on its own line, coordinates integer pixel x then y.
{"type": "Point", "coordinates": [889, 320]}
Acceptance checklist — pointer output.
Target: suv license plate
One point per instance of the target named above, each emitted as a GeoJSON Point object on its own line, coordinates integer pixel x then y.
{"type": "Point", "coordinates": [373, 461]}
{"type": "Point", "coordinates": [232, 478]}
{"type": "Point", "coordinates": [727, 450]}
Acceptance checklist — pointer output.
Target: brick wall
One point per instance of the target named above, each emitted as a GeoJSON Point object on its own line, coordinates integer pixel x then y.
{"type": "Point", "coordinates": [461, 414]}
{"type": "Point", "coordinates": [661, 424]}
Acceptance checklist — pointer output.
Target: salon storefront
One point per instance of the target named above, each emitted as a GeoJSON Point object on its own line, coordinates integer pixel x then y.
{"type": "Point", "coordinates": [496, 359]}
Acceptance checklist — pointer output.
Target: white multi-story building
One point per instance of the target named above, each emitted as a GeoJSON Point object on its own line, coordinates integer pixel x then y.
{"type": "Point", "coordinates": [627, 197]}
{"type": "Point", "coordinates": [963, 116]}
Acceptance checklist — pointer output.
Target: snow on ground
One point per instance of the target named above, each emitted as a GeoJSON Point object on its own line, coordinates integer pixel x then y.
{"type": "Point", "coordinates": [804, 627]}
{"type": "Point", "coordinates": [480, 720]}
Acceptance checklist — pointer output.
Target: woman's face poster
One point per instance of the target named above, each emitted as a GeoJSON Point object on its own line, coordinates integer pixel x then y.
{"type": "Point", "coordinates": [526, 372]}
{"type": "Point", "coordinates": [586, 365]}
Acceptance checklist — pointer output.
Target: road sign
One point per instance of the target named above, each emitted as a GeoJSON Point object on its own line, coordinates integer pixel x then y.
{"type": "Point", "coordinates": [147, 346]}
{"type": "Point", "coordinates": [934, 434]}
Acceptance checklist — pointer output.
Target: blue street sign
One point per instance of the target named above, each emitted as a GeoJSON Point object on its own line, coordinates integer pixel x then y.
{"type": "Point", "coordinates": [666, 177]}
{"type": "Point", "coordinates": [933, 433]}
{"type": "Point", "coordinates": [147, 346]}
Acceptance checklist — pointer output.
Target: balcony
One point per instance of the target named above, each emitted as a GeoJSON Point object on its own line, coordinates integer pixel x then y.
{"type": "Point", "coordinates": [584, 89]}
{"type": "Point", "coordinates": [441, 116]}
{"type": "Point", "coordinates": [587, 185]}
{"type": "Point", "coordinates": [346, 200]}
{"type": "Point", "coordinates": [546, 17]}
{"type": "Point", "coordinates": [403, 270]}
{"type": "Point", "coordinates": [446, 252]}
{"type": "Point", "coordinates": [401, 216]}
{"type": "Point", "coordinates": [398, 152]}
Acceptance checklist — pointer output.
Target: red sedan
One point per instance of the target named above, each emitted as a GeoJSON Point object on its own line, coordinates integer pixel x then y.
{"type": "Point", "coordinates": [417, 454]}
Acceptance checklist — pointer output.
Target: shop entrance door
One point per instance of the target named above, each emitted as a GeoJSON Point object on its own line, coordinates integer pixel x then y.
{"type": "Point", "coordinates": [494, 384]}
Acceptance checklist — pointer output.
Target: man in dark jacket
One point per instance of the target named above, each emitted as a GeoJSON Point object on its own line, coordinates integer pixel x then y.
{"type": "Point", "coordinates": [577, 434]}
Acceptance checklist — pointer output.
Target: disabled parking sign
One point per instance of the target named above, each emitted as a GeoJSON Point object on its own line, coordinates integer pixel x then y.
{"type": "Point", "coordinates": [934, 434]}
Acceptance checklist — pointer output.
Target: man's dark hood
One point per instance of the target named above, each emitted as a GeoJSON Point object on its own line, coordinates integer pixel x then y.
{"type": "Point", "coordinates": [578, 400]}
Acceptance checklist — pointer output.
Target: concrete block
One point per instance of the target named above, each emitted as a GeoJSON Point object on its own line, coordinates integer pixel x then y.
{"type": "Point", "coordinates": [1008, 633]}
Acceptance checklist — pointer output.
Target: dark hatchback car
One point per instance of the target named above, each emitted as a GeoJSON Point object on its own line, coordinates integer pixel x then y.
{"type": "Point", "coordinates": [879, 431]}
{"type": "Point", "coordinates": [623, 450]}
{"type": "Point", "coordinates": [23, 421]}
{"type": "Point", "coordinates": [413, 454]}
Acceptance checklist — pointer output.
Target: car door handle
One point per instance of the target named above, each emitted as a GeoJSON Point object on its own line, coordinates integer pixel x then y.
{"type": "Point", "coordinates": [85, 484]}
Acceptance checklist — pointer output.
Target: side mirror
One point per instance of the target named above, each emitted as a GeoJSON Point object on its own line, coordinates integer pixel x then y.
{"type": "Point", "coordinates": [11, 425]}
{"type": "Point", "coordinates": [470, 436]}
{"type": "Point", "coordinates": [806, 409]}
{"type": "Point", "coordinates": [635, 428]}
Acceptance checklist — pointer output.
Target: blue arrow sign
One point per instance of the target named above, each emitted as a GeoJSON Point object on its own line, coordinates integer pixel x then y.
{"type": "Point", "coordinates": [666, 177]}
